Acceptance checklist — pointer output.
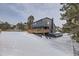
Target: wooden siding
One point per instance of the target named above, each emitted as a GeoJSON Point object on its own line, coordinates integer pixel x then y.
{"type": "Point", "coordinates": [38, 30]}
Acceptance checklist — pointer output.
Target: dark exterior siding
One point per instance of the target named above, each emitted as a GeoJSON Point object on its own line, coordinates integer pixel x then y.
{"type": "Point", "coordinates": [41, 23]}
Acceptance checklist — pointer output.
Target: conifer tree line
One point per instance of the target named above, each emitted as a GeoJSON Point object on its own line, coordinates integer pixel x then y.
{"type": "Point", "coordinates": [6, 26]}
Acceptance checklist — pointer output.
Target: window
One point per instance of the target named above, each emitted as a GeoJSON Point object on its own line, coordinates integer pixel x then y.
{"type": "Point", "coordinates": [48, 23]}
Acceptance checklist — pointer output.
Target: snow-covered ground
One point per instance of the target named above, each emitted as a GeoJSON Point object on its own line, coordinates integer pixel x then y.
{"type": "Point", "coordinates": [25, 44]}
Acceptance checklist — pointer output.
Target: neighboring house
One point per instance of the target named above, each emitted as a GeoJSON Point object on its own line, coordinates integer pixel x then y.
{"type": "Point", "coordinates": [44, 25]}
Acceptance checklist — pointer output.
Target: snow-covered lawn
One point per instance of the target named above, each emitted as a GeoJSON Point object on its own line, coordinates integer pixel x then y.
{"type": "Point", "coordinates": [26, 44]}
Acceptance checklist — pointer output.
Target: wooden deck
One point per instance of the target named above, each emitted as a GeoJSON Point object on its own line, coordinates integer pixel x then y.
{"type": "Point", "coordinates": [38, 30]}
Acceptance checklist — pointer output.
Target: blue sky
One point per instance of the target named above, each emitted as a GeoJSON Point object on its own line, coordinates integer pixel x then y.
{"type": "Point", "coordinates": [19, 12]}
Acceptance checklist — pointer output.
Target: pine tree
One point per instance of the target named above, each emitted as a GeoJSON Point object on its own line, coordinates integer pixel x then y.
{"type": "Point", "coordinates": [70, 13]}
{"type": "Point", "coordinates": [30, 21]}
